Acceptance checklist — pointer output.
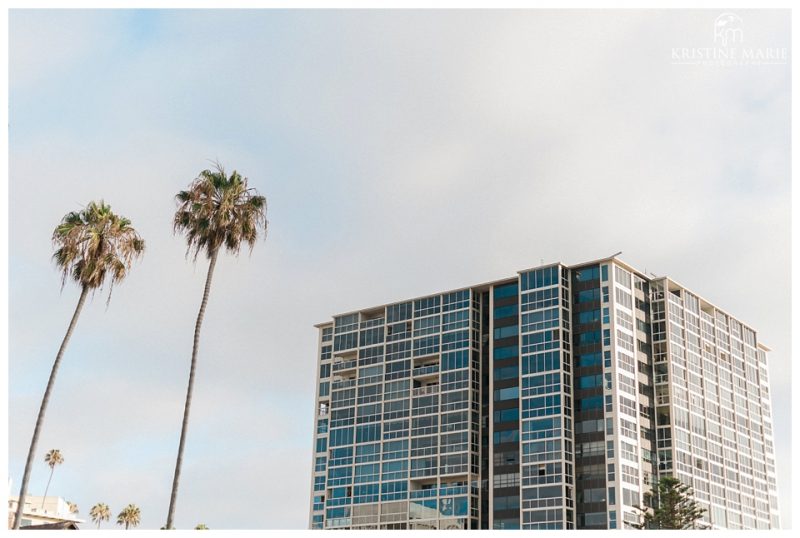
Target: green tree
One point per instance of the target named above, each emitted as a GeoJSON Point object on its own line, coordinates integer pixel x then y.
{"type": "Point", "coordinates": [99, 513]}
{"type": "Point", "coordinates": [52, 458]}
{"type": "Point", "coordinates": [673, 507]}
{"type": "Point", "coordinates": [201, 527]}
{"type": "Point", "coordinates": [130, 516]}
{"type": "Point", "coordinates": [217, 211]}
{"type": "Point", "coordinates": [93, 245]}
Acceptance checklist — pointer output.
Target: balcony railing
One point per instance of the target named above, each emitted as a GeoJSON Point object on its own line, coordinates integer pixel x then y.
{"type": "Point", "coordinates": [421, 391]}
{"type": "Point", "coordinates": [453, 490]}
{"type": "Point", "coordinates": [426, 370]}
{"type": "Point", "coordinates": [423, 493]}
{"type": "Point", "coordinates": [343, 384]}
{"type": "Point", "coordinates": [344, 365]}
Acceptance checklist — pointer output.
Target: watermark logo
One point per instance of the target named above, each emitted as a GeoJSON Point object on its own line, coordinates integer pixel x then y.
{"type": "Point", "coordinates": [728, 48]}
{"type": "Point", "coordinates": [728, 29]}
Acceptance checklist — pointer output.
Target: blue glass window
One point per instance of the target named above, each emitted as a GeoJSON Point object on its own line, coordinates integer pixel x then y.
{"type": "Point", "coordinates": [324, 389]}
{"type": "Point", "coordinates": [427, 306]}
{"type": "Point", "coordinates": [455, 320]}
{"type": "Point", "coordinates": [368, 433]}
{"type": "Point", "coordinates": [394, 470]}
{"type": "Point", "coordinates": [426, 346]}
{"type": "Point", "coordinates": [339, 472]}
{"type": "Point", "coordinates": [592, 402]}
{"type": "Point", "coordinates": [367, 473]}
{"type": "Point", "coordinates": [541, 362]}
{"type": "Point", "coordinates": [539, 278]}
{"type": "Point", "coordinates": [455, 360]}
{"type": "Point", "coordinates": [590, 359]}
{"type": "Point", "coordinates": [455, 300]}
{"type": "Point", "coordinates": [505, 332]}
{"type": "Point", "coordinates": [507, 415]}
{"type": "Point", "coordinates": [541, 406]}
{"type": "Point", "coordinates": [541, 384]}
{"type": "Point", "coordinates": [588, 295]}
{"type": "Point", "coordinates": [453, 506]}
{"type": "Point", "coordinates": [366, 493]}
{"type": "Point", "coordinates": [590, 316]}
{"type": "Point", "coordinates": [507, 372]}
{"type": "Point", "coordinates": [541, 341]}
{"type": "Point", "coordinates": [508, 290]}
{"type": "Point", "coordinates": [345, 341]}
{"type": "Point", "coordinates": [346, 323]}
{"type": "Point", "coordinates": [398, 312]}
{"type": "Point", "coordinates": [589, 381]}
{"type": "Point", "coordinates": [542, 424]}
{"type": "Point", "coordinates": [540, 320]}
{"type": "Point", "coordinates": [587, 273]}
{"type": "Point", "coordinates": [341, 456]}
{"type": "Point", "coordinates": [322, 425]}
{"type": "Point", "coordinates": [591, 337]}
{"type": "Point", "coordinates": [455, 340]}
{"type": "Point", "coordinates": [335, 513]}
{"type": "Point", "coordinates": [394, 490]}
{"type": "Point", "coordinates": [509, 393]}
{"type": "Point", "coordinates": [371, 336]}
{"type": "Point", "coordinates": [506, 311]}
{"type": "Point", "coordinates": [506, 503]}
{"type": "Point", "coordinates": [342, 436]}
{"type": "Point", "coordinates": [506, 436]}
{"type": "Point", "coordinates": [506, 352]}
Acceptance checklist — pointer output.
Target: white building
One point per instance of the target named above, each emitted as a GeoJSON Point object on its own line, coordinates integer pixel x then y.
{"type": "Point", "coordinates": [41, 511]}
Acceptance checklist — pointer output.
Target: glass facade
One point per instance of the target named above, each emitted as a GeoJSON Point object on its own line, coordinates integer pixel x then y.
{"type": "Point", "coordinates": [551, 400]}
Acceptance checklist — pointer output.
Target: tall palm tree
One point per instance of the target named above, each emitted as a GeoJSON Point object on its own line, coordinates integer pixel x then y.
{"type": "Point", "coordinates": [130, 516]}
{"type": "Point", "coordinates": [216, 211]}
{"type": "Point", "coordinates": [52, 459]}
{"type": "Point", "coordinates": [93, 245]}
{"type": "Point", "coordinates": [99, 513]}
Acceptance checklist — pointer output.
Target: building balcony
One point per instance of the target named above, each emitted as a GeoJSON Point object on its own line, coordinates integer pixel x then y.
{"type": "Point", "coordinates": [422, 391]}
{"type": "Point", "coordinates": [340, 367]}
{"type": "Point", "coordinates": [429, 370]}
{"type": "Point", "coordinates": [343, 384]}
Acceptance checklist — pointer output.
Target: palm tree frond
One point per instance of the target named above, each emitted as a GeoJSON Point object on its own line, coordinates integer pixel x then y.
{"type": "Point", "coordinates": [95, 243]}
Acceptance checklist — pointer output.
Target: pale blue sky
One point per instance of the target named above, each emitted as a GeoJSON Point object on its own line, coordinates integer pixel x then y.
{"type": "Point", "coordinates": [401, 153]}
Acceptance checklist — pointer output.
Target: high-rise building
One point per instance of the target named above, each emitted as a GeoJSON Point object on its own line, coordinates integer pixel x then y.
{"type": "Point", "coordinates": [553, 399]}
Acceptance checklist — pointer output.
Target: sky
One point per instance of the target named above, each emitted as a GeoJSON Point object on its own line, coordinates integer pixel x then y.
{"type": "Point", "coordinates": [402, 153]}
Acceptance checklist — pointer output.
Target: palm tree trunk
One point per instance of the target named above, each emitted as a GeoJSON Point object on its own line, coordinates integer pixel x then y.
{"type": "Point", "coordinates": [188, 405]}
{"type": "Point", "coordinates": [52, 468]}
{"type": "Point", "coordinates": [23, 490]}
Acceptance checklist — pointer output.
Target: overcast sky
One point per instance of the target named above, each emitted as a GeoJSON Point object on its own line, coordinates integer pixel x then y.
{"type": "Point", "coordinates": [402, 153]}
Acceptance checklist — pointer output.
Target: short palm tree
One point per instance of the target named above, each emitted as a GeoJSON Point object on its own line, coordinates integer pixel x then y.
{"type": "Point", "coordinates": [93, 245]}
{"type": "Point", "coordinates": [99, 513]}
{"type": "Point", "coordinates": [130, 516]}
{"type": "Point", "coordinates": [52, 459]}
{"type": "Point", "coordinates": [217, 211]}
{"type": "Point", "coordinates": [73, 507]}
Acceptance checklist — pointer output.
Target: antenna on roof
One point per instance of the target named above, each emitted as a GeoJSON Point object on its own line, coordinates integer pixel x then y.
{"type": "Point", "coordinates": [615, 255]}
